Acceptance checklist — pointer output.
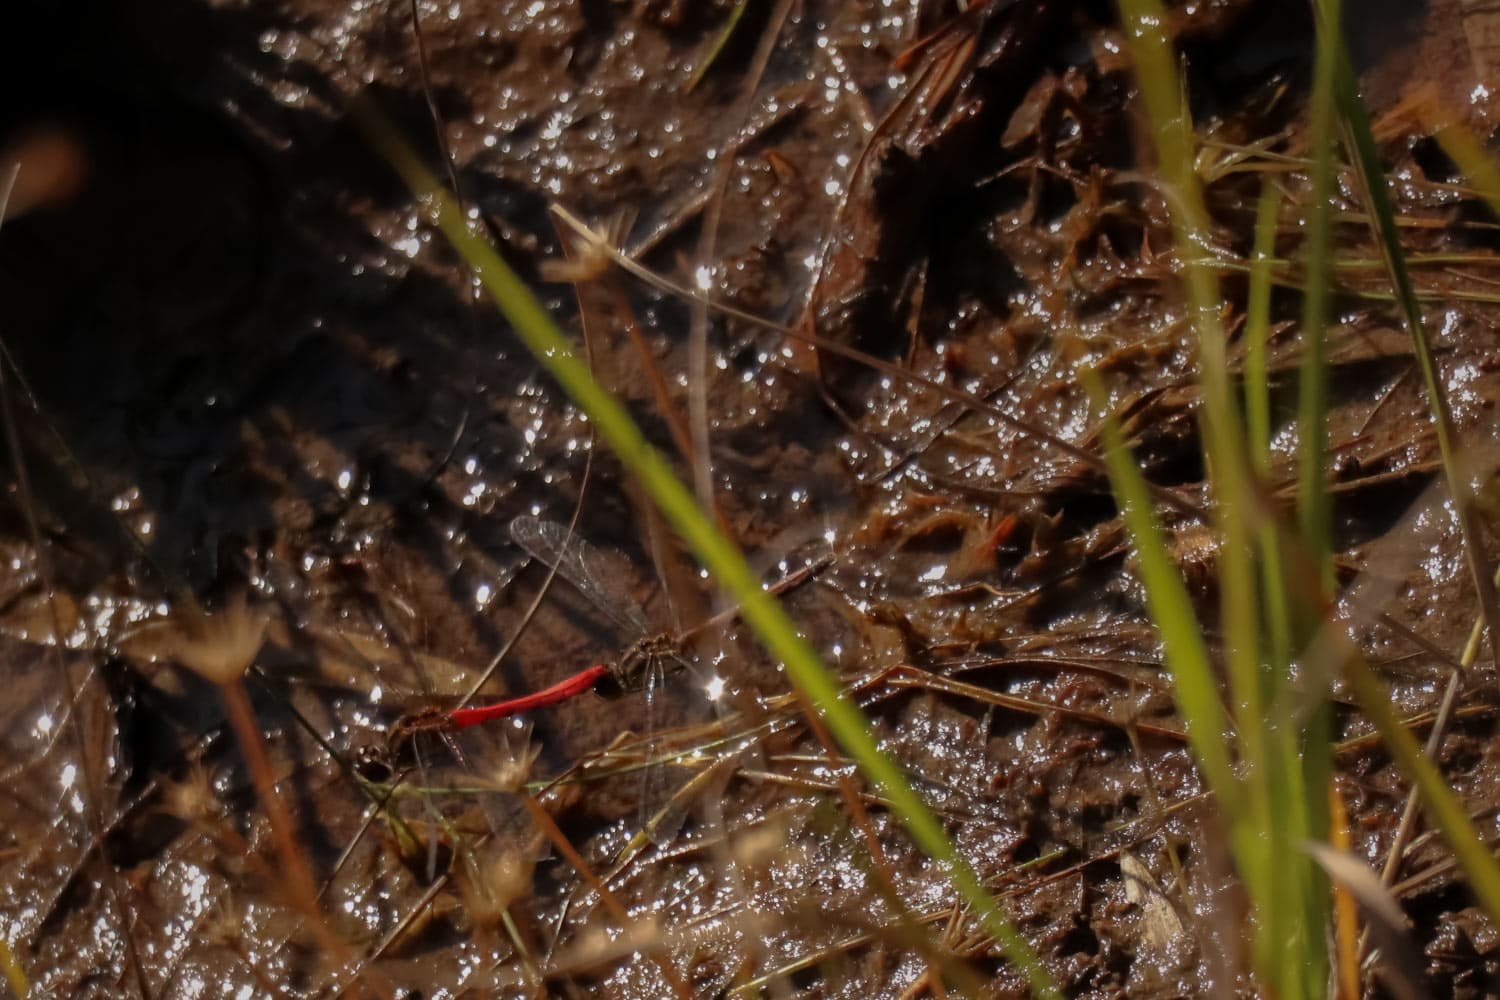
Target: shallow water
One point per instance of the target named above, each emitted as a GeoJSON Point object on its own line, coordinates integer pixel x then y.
{"type": "Point", "coordinates": [256, 371]}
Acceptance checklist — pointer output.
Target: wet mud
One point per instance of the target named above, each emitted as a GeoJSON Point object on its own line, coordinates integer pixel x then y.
{"type": "Point", "coordinates": [247, 374]}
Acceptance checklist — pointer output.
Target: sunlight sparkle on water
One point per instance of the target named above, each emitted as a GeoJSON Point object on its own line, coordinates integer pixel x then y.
{"type": "Point", "coordinates": [714, 689]}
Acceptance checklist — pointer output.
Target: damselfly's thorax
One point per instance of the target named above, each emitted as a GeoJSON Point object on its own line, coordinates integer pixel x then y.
{"type": "Point", "coordinates": [425, 720]}
{"type": "Point", "coordinates": [659, 653]}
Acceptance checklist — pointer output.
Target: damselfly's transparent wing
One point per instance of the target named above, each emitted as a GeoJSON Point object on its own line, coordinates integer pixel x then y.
{"type": "Point", "coordinates": [656, 790]}
{"type": "Point", "coordinates": [651, 668]}
{"type": "Point", "coordinates": [582, 566]}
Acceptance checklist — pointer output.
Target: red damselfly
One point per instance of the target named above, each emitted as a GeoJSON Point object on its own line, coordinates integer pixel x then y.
{"type": "Point", "coordinates": [643, 667]}
{"type": "Point", "coordinates": [581, 565]}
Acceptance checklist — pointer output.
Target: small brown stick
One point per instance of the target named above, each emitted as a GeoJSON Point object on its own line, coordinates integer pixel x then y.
{"type": "Point", "coordinates": [401, 927]}
{"type": "Point", "coordinates": [695, 204]}
{"type": "Point", "coordinates": [665, 407]}
{"type": "Point", "coordinates": [698, 451]}
{"type": "Point", "coordinates": [1168, 496]}
{"type": "Point", "coordinates": [559, 840]}
{"type": "Point", "coordinates": [905, 675]}
{"type": "Point", "coordinates": [884, 881]}
{"type": "Point", "coordinates": [299, 877]}
{"type": "Point", "coordinates": [91, 779]}
{"type": "Point", "coordinates": [1384, 398]}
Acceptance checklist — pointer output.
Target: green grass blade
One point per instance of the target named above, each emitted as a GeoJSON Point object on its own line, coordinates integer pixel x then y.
{"type": "Point", "coordinates": [15, 976]}
{"type": "Point", "coordinates": [1258, 329]}
{"type": "Point", "coordinates": [1300, 782]}
{"type": "Point", "coordinates": [1469, 156]}
{"type": "Point", "coordinates": [1446, 812]}
{"type": "Point", "coordinates": [1171, 609]}
{"type": "Point", "coordinates": [1258, 425]}
{"type": "Point", "coordinates": [1314, 506]}
{"type": "Point", "coordinates": [761, 611]}
{"type": "Point", "coordinates": [1223, 435]}
{"type": "Point", "coordinates": [1309, 760]}
{"type": "Point", "coordinates": [1455, 470]}
{"type": "Point", "coordinates": [1282, 802]}
{"type": "Point", "coordinates": [1171, 130]}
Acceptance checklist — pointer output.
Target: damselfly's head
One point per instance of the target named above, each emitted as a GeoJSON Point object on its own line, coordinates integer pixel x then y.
{"type": "Point", "coordinates": [374, 764]}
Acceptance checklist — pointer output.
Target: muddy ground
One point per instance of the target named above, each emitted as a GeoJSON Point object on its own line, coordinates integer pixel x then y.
{"type": "Point", "coordinates": [246, 370]}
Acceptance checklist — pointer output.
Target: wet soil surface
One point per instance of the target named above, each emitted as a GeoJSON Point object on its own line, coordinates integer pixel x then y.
{"type": "Point", "coordinates": [248, 375]}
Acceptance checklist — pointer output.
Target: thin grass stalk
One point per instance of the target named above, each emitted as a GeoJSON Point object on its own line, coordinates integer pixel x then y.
{"type": "Point", "coordinates": [1258, 329]}
{"type": "Point", "coordinates": [1220, 420]}
{"type": "Point", "coordinates": [1275, 655]}
{"type": "Point", "coordinates": [1171, 608]}
{"type": "Point", "coordinates": [1171, 130]}
{"type": "Point", "coordinates": [1304, 713]}
{"type": "Point", "coordinates": [1309, 761]}
{"type": "Point", "coordinates": [1278, 651]}
{"type": "Point", "coordinates": [761, 611]}
{"type": "Point", "coordinates": [720, 42]}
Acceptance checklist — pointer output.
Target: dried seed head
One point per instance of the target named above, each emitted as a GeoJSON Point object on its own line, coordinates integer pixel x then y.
{"type": "Point", "coordinates": [591, 252]}
{"type": "Point", "coordinates": [508, 767]}
{"type": "Point", "coordinates": [219, 646]}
